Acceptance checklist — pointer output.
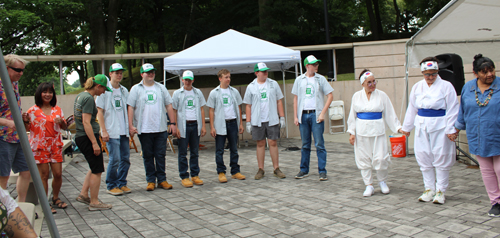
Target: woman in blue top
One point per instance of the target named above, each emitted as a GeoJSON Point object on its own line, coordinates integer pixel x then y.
{"type": "Point", "coordinates": [480, 115]}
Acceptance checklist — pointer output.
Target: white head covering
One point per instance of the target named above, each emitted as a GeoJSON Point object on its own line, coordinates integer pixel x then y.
{"type": "Point", "coordinates": [429, 65]}
{"type": "Point", "coordinates": [365, 76]}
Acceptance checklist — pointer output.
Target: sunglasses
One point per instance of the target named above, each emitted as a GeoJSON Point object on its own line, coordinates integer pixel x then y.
{"type": "Point", "coordinates": [17, 69]}
{"type": "Point", "coordinates": [315, 64]}
{"type": "Point", "coordinates": [427, 75]}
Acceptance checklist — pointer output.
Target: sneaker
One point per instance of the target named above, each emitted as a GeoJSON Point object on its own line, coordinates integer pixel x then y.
{"type": "Point", "coordinates": [125, 189]}
{"type": "Point", "coordinates": [150, 187]}
{"type": "Point", "coordinates": [83, 199]}
{"type": "Point", "coordinates": [222, 178]}
{"type": "Point", "coordinates": [439, 198]}
{"type": "Point", "coordinates": [495, 211]}
{"type": "Point", "coordinates": [279, 174]}
{"type": "Point", "coordinates": [427, 196]}
{"type": "Point", "coordinates": [369, 191]}
{"type": "Point", "coordinates": [238, 176]}
{"type": "Point", "coordinates": [384, 188]}
{"type": "Point", "coordinates": [186, 183]}
{"type": "Point", "coordinates": [322, 177]}
{"type": "Point", "coordinates": [115, 192]}
{"type": "Point", "coordinates": [165, 185]}
{"type": "Point", "coordinates": [99, 206]}
{"type": "Point", "coordinates": [301, 175]}
{"type": "Point", "coordinates": [196, 180]}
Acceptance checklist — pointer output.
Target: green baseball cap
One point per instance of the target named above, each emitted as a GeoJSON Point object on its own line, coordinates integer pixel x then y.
{"type": "Point", "coordinates": [102, 80]}
{"type": "Point", "coordinates": [260, 67]}
{"type": "Point", "coordinates": [188, 74]}
{"type": "Point", "coordinates": [147, 67]}
{"type": "Point", "coordinates": [311, 60]}
{"type": "Point", "coordinates": [116, 67]}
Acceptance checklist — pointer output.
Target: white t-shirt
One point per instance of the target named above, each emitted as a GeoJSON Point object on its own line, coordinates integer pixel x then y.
{"type": "Point", "coordinates": [264, 102]}
{"type": "Point", "coordinates": [310, 99]}
{"type": "Point", "coordinates": [227, 103]}
{"type": "Point", "coordinates": [119, 106]}
{"type": "Point", "coordinates": [151, 113]}
{"type": "Point", "coordinates": [190, 104]}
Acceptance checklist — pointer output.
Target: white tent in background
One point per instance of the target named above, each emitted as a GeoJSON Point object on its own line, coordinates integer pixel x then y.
{"type": "Point", "coordinates": [463, 27]}
{"type": "Point", "coordinates": [234, 51]}
{"type": "Point", "coordinates": [231, 50]}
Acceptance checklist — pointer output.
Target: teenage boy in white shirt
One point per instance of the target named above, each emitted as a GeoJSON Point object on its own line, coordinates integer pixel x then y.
{"type": "Point", "coordinates": [113, 120]}
{"type": "Point", "coordinates": [188, 103]}
{"type": "Point", "coordinates": [263, 98]}
{"type": "Point", "coordinates": [225, 122]}
{"type": "Point", "coordinates": [148, 104]}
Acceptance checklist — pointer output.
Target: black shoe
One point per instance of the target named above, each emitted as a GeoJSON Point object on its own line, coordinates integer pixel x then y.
{"type": "Point", "coordinates": [494, 211]}
{"type": "Point", "coordinates": [301, 175]}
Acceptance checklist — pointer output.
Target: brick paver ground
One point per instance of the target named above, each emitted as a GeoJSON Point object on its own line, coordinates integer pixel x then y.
{"type": "Point", "coordinates": [280, 208]}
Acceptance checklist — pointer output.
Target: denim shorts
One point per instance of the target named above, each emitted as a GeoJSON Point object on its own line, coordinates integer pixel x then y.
{"type": "Point", "coordinates": [11, 157]}
{"type": "Point", "coordinates": [266, 131]}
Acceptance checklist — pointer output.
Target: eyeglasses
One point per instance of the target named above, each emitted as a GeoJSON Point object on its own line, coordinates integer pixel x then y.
{"type": "Point", "coordinates": [427, 75]}
{"type": "Point", "coordinates": [372, 83]}
{"type": "Point", "coordinates": [17, 69]}
{"type": "Point", "coordinates": [315, 64]}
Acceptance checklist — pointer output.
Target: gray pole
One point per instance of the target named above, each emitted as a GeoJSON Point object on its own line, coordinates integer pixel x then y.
{"type": "Point", "coordinates": [25, 144]}
{"type": "Point", "coordinates": [61, 81]}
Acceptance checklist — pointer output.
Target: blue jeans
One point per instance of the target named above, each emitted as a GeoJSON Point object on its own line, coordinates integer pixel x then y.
{"type": "Point", "coordinates": [307, 127]}
{"type": "Point", "coordinates": [193, 140]}
{"type": "Point", "coordinates": [154, 148]}
{"type": "Point", "coordinates": [220, 140]}
{"type": "Point", "coordinates": [119, 162]}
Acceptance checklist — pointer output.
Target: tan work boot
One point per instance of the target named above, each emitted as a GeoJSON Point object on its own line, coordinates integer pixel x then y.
{"type": "Point", "coordinates": [222, 178]}
{"type": "Point", "coordinates": [187, 183]}
{"type": "Point", "coordinates": [196, 180]}
{"type": "Point", "coordinates": [238, 176]}
{"type": "Point", "coordinates": [165, 185]}
{"type": "Point", "coordinates": [279, 174]}
{"type": "Point", "coordinates": [125, 189]}
{"type": "Point", "coordinates": [259, 174]}
{"type": "Point", "coordinates": [150, 187]}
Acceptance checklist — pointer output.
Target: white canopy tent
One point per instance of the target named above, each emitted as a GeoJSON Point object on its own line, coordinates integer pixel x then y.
{"type": "Point", "coordinates": [234, 51]}
{"type": "Point", "coordinates": [463, 27]}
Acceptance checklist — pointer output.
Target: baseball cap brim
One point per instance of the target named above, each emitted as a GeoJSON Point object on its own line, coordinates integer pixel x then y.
{"type": "Point", "coordinates": [263, 69]}
{"type": "Point", "coordinates": [314, 61]}
{"type": "Point", "coordinates": [113, 70]}
{"type": "Point", "coordinates": [187, 77]}
{"type": "Point", "coordinates": [147, 70]}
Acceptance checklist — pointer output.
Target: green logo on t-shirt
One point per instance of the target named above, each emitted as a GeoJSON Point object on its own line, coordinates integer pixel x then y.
{"type": "Point", "coordinates": [151, 97]}
{"type": "Point", "coordinates": [117, 103]}
{"type": "Point", "coordinates": [189, 102]}
{"type": "Point", "coordinates": [263, 95]}
{"type": "Point", "coordinates": [226, 101]}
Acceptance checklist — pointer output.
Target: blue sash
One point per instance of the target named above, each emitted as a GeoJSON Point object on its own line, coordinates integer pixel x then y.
{"type": "Point", "coordinates": [431, 112]}
{"type": "Point", "coordinates": [369, 115]}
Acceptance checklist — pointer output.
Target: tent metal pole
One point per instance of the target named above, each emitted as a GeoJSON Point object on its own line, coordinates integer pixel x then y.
{"type": "Point", "coordinates": [407, 99]}
{"type": "Point", "coordinates": [61, 82]}
{"type": "Point", "coordinates": [165, 78]}
{"type": "Point", "coordinates": [296, 71]}
{"type": "Point", "coordinates": [25, 144]}
{"type": "Point", "coordinates": [284, 90]}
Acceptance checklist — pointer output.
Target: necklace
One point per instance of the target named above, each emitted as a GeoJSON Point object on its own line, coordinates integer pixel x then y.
{"type": "Point", "coordinates": [480, 104]}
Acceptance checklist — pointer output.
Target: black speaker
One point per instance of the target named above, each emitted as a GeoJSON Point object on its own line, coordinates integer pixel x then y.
{"type": "Point", "coordinates": [451, 69]}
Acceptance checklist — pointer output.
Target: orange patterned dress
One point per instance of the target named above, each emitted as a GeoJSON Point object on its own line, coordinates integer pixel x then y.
{"type": "Point", "coordinates": [45, 135]}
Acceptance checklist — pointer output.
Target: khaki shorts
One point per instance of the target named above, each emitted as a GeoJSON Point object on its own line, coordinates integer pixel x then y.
{"type": "Point", "coordinates": [266, 131]}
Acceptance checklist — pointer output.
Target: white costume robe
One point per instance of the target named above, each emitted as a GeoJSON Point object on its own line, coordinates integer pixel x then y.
{"type": "Point", "coordinates": [370, 145]}
{"type": "Point", "coordinates": [434, 152]}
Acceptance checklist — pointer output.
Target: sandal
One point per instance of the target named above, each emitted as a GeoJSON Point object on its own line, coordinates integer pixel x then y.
{"type": "Point", "coordinates": [54, 211]}
{"type": "Point", "coordinates": [60, 204]}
